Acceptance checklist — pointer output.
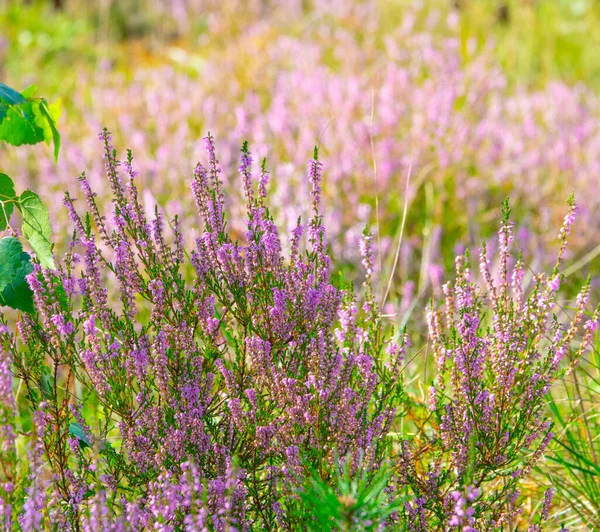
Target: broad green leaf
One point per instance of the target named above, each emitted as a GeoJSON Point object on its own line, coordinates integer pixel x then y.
{"type": "Point", "coordinates": [76, 430]}
{"type": "Point", "coordinates": [28, 120]}
{"type": "Point", "coordinates": [15, 265]}
{"type": "Point", "coordinates": [18, 126]}
{"type": "Point", "coordinates": [10, 260]}
{"type": "Point", "coordinates": [36, 226]}
{"type": "Point", "coordinates": [10, 96]}
{"type": "Point", "coordinates": [7, 194]}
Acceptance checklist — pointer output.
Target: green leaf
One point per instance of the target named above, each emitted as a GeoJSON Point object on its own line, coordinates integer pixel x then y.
{"type": "Point", "coordinates": [15, 265]}
{"type": "Point", "coordinates": [10, 96]}
{"type": "Point", "coordinates": [36, 226]}
{"type": "Point", "coordinates": [76, 430]}
{"type": "Point", "coordinates": [7, 193]}
{"type": "Point", "coordinates": [29, 91]}
{"type": "Point", "coordinates": [51, 114]}
{"type": "Point", "coordinates": [18, 126]}
{"type": "Point", "coordinates": [10, 259]}
{"type": "Point", "coordinates": [28, 120]}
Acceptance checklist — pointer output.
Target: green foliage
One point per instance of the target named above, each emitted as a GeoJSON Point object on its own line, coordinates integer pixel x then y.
{"type": "Point", "coordinates": [49, 117]}
{"type": "Point", "coordinates": [36, 219]}
{"type": "Point", "coordinates": [352, 500]}
{"type": "Point", "coordinates": [8, 97]}
{"type": "Point", "coordinates": [36, 226]}
{"type": "Point", "coordinates": [28, 120]}
{"type": "Point", "coordinates": [7, 199]}
{"type": "Point", "coordinates": [15, 265]}
{"type": "Point", "coordinates": [24, 120]}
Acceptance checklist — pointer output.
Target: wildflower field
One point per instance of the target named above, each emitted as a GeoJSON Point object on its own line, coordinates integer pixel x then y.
{"type": "Point", "coordinates": [299, 265]}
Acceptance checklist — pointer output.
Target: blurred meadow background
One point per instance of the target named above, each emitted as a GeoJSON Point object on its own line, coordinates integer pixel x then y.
{"type": "Point", "coordinates": [435, 110]}
{"type": "Point", "coordinates": [427, 113]}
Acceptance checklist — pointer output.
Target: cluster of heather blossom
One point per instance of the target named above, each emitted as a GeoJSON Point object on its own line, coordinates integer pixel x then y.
{"type": "Point", "coordinates": [163, 388]}
{"type": "Point", "coordinates": [413, 90]}
{"type": "Point", "coordinates": [177, 403]}
{"type": "Point", "coordinates": [498, 348]}
{"type": "Point", "coordinates": [464, 511]}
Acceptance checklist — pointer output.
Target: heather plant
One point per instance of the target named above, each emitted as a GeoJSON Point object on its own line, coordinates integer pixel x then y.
{"type": "Point", "coordinates": [235, 394]}
{"type": "Point", "coordinates": [171, 374]}
{"type": "Point", "coordinates": [498, 348]}
{"type": "Point", "coordinates": [202, 403]}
